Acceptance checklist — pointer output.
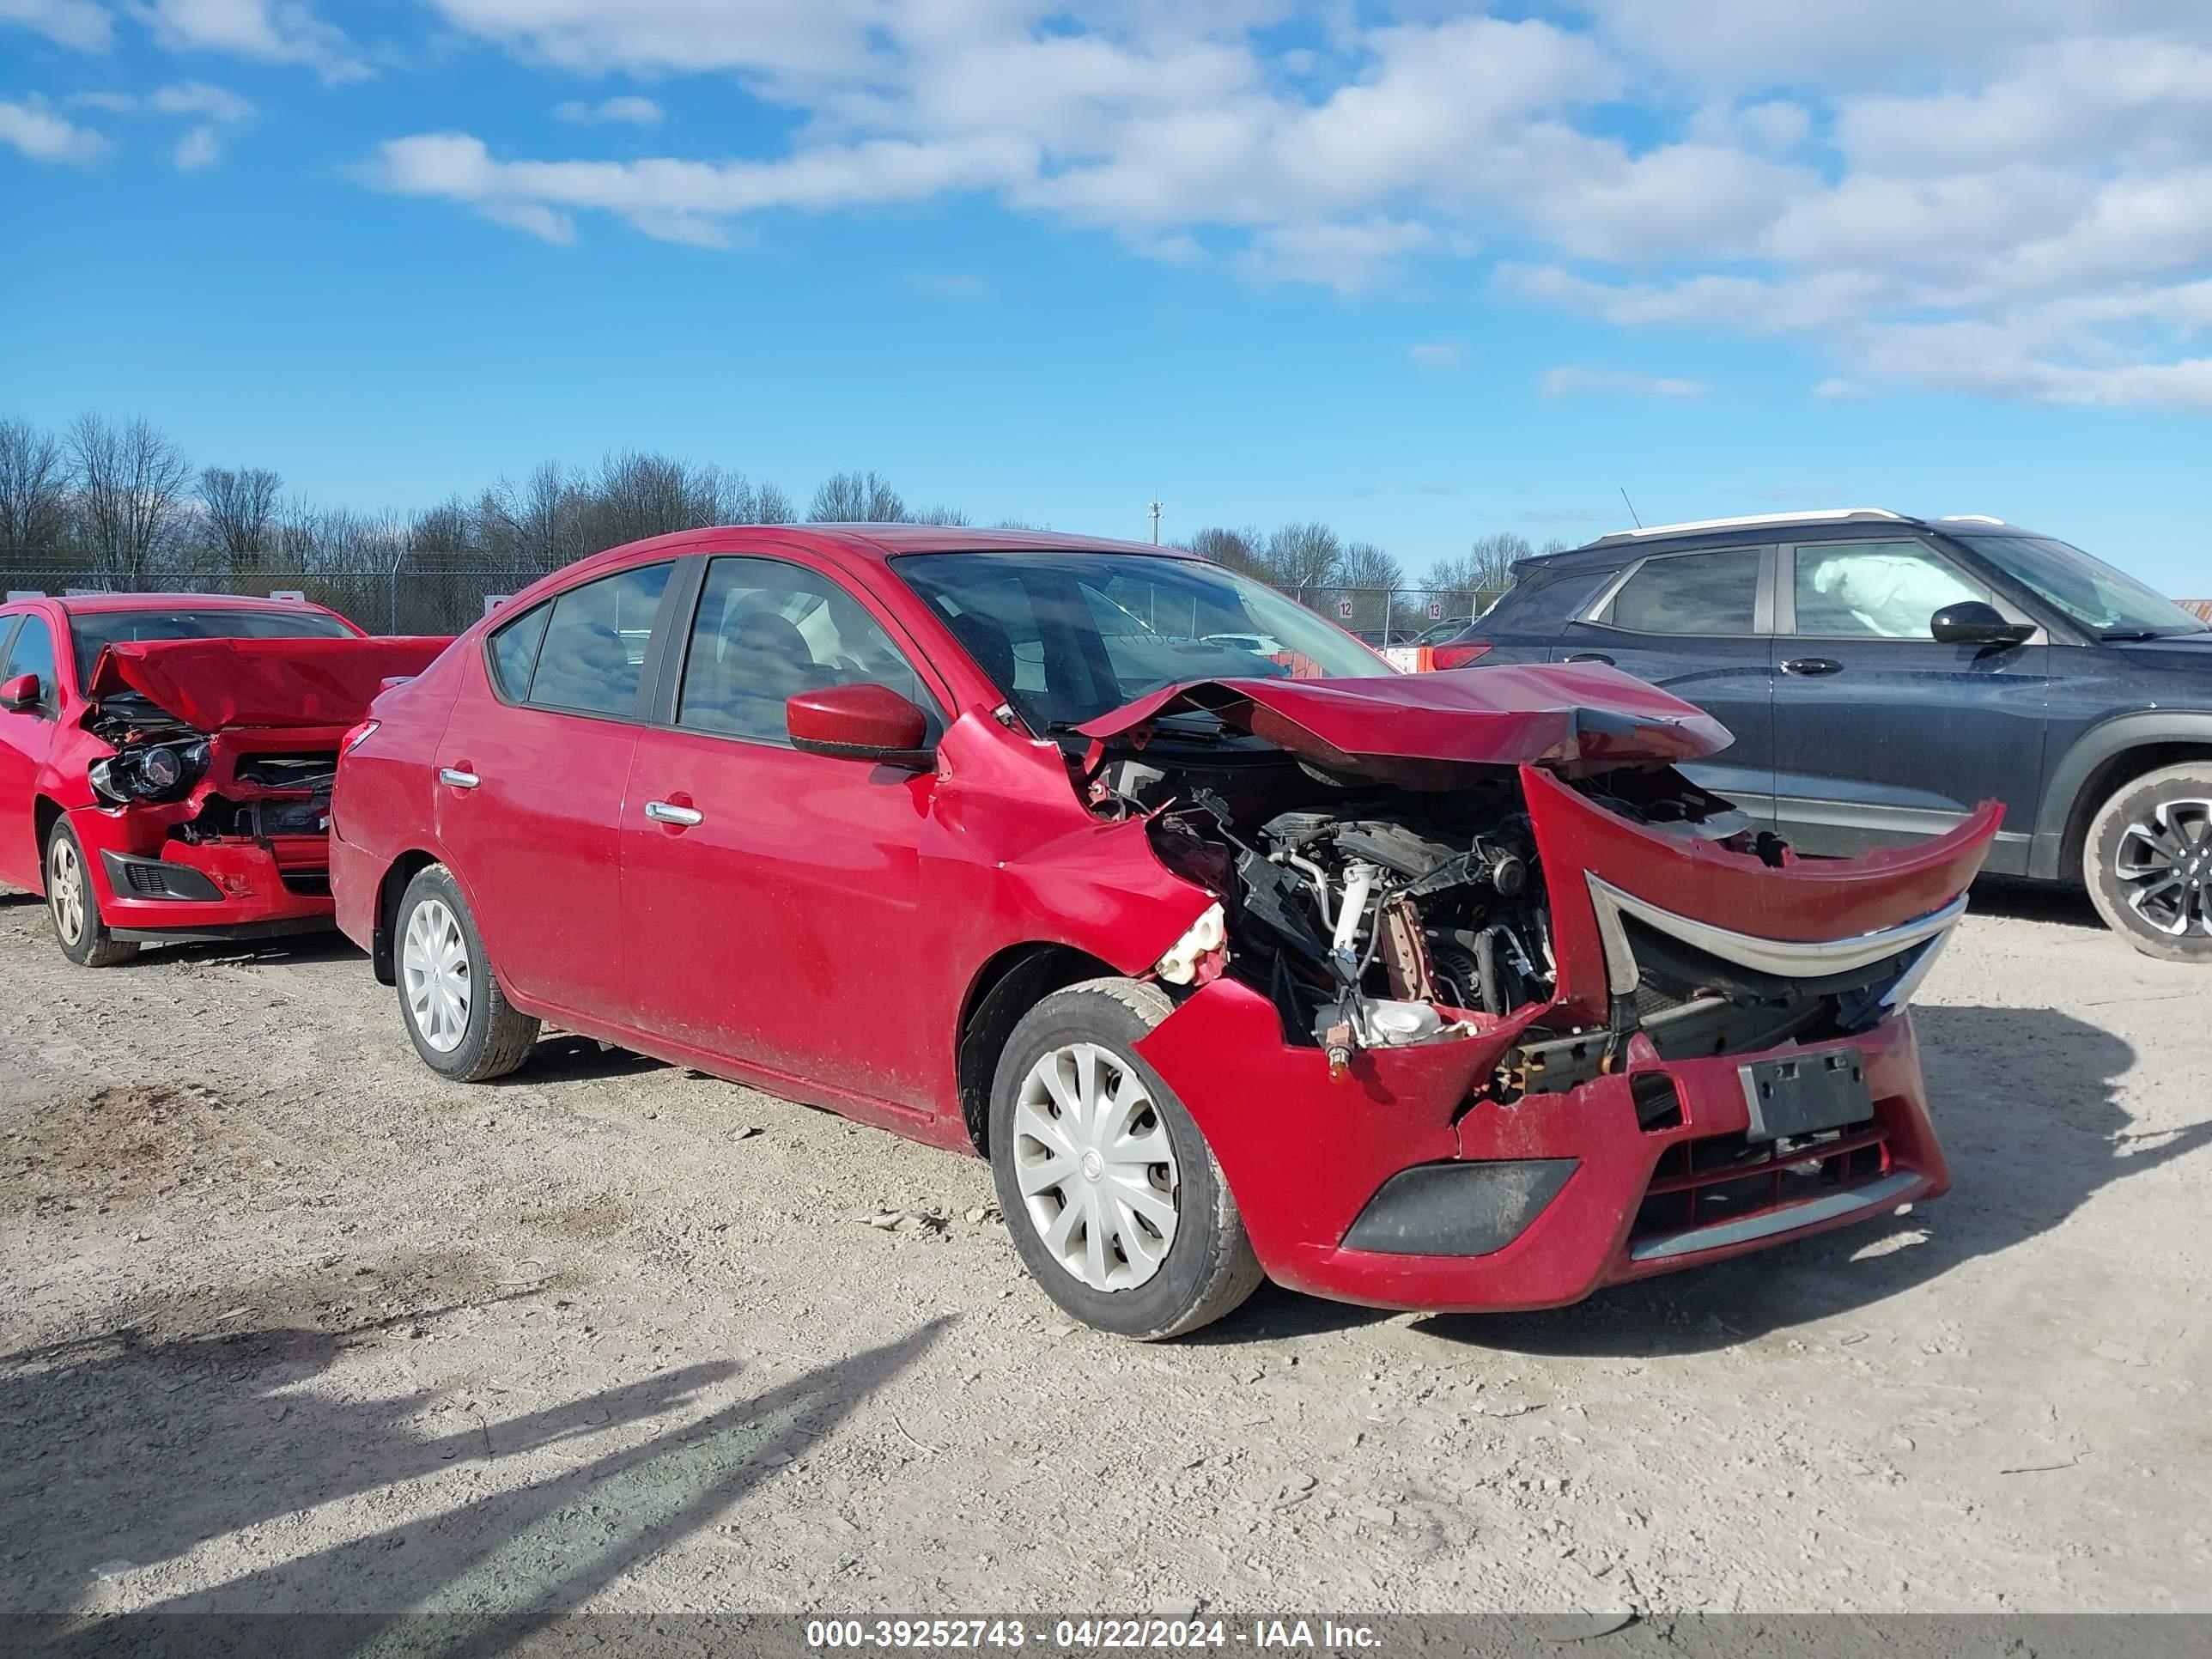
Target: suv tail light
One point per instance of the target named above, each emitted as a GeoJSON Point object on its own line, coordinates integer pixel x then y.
{"type": "Point", "coordinates": [1458, 654]}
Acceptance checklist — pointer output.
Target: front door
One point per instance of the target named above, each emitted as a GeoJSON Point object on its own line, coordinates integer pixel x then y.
{"type": "Point", "coordinates": [1696, 623]}
{"type": "Point", "coordinates": [774, 900]}
{"type": "Point", "coordinates": [1883, 737]}
{"type": "Point", "coordinates": [530, 789]}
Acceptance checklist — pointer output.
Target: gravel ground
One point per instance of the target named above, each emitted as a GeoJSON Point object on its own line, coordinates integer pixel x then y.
{"type": "Point", "coordinates": [286, 1323]}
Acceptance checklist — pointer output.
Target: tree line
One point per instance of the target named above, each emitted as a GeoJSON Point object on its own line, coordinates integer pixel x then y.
{"type": "Point", "coordinates": [120, 502]}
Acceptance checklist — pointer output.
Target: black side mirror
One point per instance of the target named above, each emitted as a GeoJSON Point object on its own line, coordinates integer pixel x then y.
{"type": "Point", "coordinates": [1975, 622]}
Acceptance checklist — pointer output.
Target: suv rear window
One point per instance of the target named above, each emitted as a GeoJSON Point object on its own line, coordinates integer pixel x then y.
{"type": "Point", "coordinates": [1713, 593]}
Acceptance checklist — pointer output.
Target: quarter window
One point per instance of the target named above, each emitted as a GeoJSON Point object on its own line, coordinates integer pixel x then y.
{"type": "Point", "coordinates": [1691, 594]}
{"type": "Point", "coordinates": [592, 654]}
{"type": "Point", "coordinates": [515, 651]}
{"type": "Point", "coordinates": [766, 630]}
{"type": "Point", "coordinates": [1875, 590]}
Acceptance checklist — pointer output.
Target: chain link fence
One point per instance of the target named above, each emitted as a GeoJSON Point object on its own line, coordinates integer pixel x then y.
{"type": "Point", "coordinates": [411, 599]}
{"type": "Point", "coordinates": [404, 600]}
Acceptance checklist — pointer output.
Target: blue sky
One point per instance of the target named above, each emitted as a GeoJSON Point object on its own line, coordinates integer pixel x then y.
{"type": "Point", "coordinates": [1421, 270]}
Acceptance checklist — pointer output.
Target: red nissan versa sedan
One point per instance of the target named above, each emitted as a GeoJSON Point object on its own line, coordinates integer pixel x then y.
{"type": "Point", "coordinates": [165, 762]}
{"type": "Point", "coordinates": [1439, 991]}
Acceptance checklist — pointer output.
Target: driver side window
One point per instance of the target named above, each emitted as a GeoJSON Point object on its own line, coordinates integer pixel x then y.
{"type": "Point", "coordinates": [32, 652]}
{"type": "Point", "coordinates": [1874, 590]}
{"type": "Point", "coordinates": [766, 630]}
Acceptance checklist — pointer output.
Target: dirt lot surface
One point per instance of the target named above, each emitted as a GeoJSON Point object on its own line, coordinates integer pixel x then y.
{"type": "Point", "coordinates": [287, 1323]}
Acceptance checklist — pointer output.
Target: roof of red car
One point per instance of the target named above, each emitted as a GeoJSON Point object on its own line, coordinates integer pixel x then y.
{"type": "Point", "coordinates": [92, 602]}
{"type": "Point", "coordinates": [883, 541]}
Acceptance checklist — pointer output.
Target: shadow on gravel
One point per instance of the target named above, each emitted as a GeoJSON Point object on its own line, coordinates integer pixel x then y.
{"type": "Point", "coordinates": [133, 1450]}
{"type": "Point", "coordinates": [565, 1058]}
{"type": "Point", "coordinates": [2035, 901]}
{"type": "Point", "coordinates": [2024, 1100]}
{"type": "Point", "coordinates": [479, 1579]}
{"type": "Point", "coordinates": [286, 950]}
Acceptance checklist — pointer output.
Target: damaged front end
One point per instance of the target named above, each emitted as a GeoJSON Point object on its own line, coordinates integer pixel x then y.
{"type": "Point", "coordinates": [212, 805]}
{"type": "Point", "coordinates": [1512, 942]}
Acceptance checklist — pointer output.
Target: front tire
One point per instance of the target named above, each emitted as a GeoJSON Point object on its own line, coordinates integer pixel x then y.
{"type": "Point", "coordinates": [1116, 1204]}
{"type": "Point", "coordinates": [2147, 863]}
{"type": "Point", "coordinates": [74, 908]}
{"type": "Point", "coordinates": [450, 1001]}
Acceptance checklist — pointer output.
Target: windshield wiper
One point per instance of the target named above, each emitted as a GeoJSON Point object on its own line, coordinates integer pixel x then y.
{"type": "Point", "coordinates": [2124, 634]}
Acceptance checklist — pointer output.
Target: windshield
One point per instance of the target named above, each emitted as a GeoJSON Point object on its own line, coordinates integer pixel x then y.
{"type": "Point", "coordinates": [93, 631]}
{"type": "Point", "coordinates": [2092, 592]}
{"type": "Point", "coordinates": [1068, 636]}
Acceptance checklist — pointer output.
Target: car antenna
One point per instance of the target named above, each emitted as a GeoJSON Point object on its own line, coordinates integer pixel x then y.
{"type": "Point", "coordinates": [1630, 505]}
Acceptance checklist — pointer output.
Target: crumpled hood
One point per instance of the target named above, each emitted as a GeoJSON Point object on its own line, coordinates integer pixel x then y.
{"type": "Point", "coordinates": [214, 684]}
{"type": "Point", "coordinates": [1509, 716]}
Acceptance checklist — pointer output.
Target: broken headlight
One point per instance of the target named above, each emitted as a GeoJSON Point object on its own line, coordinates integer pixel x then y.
{"type": "Point", "coordinates": [158, 772]}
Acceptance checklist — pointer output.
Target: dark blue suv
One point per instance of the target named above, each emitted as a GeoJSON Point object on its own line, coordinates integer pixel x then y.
{"type": "Point", "coordinates": [1882, 674]}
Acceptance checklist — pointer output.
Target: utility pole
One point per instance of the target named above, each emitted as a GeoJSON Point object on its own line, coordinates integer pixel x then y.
{"type": "Point", "coordinates": [1155, 524]}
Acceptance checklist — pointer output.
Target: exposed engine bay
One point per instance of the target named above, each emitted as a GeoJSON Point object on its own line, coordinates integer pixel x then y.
{"type": "Point", "coordinates": [1377, 914]}
{"type": "Point", "coordinates": [251, 793]}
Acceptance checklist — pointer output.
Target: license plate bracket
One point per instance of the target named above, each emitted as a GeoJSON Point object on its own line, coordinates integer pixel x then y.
{"type": "Point", "coordinates": [1805, 1094]}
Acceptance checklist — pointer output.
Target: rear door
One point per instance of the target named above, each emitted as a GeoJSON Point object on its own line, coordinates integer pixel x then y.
{"type": "Point", "coordinates": [26, 647]}
{"type": "Point", "coordinates": [772, 899]}
{"type": "Point", "coordinates": [1699, 623]}
{"type": "Point", "coordinates": [1881, 735]}
{"type": "Point", "coordinates": [531, 780]}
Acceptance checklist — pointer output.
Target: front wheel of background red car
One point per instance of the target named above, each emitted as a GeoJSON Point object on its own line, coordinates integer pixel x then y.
{"type": "Point", "coordinates": [75, 909]}
{"type": "Point", "coordinates": [2147, 863]}
{"type": "Point", "coordinates": [460, 1021]}
{"type": "Point", "coordinates": [1114, 1200]}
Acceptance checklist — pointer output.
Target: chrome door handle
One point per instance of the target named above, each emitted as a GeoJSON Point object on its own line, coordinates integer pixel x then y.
{"type": "Point", "coordinates": [458, 778]}
{"type": "Point", "coordinates": [1812, 665]}
{"type": "Point", "coordinates": [1590, 656]}
{"type": "Point", "coordinates": [661, 812]}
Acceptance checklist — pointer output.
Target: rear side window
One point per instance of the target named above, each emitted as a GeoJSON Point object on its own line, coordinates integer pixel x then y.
{"type": "Point", "coordinates": [592, 655]}
{"type": "Point", "coordinates": [1543, 605]}
{"type": "Point", "coordinates": [1690, 593]}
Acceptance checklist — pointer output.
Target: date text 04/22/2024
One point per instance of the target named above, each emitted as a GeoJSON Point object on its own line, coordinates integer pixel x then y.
{"type": "Point", "coordinates": [1102, 1634]}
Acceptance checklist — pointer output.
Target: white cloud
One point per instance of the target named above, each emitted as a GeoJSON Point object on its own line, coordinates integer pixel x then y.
{"type": "Point", "coordinates": [79, 24]}
{"type": "Point", "coordinates": [273, 31]}
{"type": "Point", "coordinates": [198, 98]}
{"type": "Point", "coordinates": [629, 111]}
{"type": "Point", "coordinates": [1574, 382]}
{"type": "Point", "coordinates": [40, 134]}
{"type": "Point", "coordinates": [2004, 164]}
{"type": "Point", "coordinates": [197, 149]}
{"type": "Point", "coordinates": [1437, 354]}
{"type": "Point", "coordinates": [1837, 389]}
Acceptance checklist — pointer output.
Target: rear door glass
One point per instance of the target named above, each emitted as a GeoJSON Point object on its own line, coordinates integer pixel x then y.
{"type": "Point", "coordinates": [593, 656]}
{"type": "Point", "coordinates": [1715, 592]}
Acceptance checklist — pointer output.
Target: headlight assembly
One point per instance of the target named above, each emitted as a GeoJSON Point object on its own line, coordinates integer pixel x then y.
{"type": "Point", "coordinates": [157, 772]}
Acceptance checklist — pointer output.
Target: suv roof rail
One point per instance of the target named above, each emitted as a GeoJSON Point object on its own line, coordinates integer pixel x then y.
{"type": "Point", "coordinates": [1968, 518]}
{"type": "Point", "coordinates": [1822, 515]}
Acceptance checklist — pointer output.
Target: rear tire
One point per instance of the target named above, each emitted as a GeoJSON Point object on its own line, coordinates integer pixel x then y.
{"type": "Point", "coordinates": [1116, 1204]}
{"type": "Point", "coordinates": [450, 1000]}
{"type": "Point", "coordinates": [73, 908]}
{"type": "Point", "coordinates": [2147, 863]}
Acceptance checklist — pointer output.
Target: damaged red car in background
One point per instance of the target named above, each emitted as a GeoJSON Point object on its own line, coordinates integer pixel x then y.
{"type": "Point", "coordinates": [165, 762]}
{"type": "Point", "coordinates": [1235, 955]}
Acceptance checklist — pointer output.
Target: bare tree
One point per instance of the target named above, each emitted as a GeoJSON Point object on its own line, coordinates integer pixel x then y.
{"type": "Point", "coordinates": [131, 486]}
{"type": "Point", "coordinates": [941, 514]}
{"type": "Point", "coordinates": [34, 494]}
{"type": "Point", "coordinates": [242, 509]}
{"type": "Point", "coordinates": [1365, 565]}
{"type": "Point", "coordinates": [1237, 549]}
{"type": "Point", "coordinates": [772, 506]}
{"type": "Point", "coordinates": [856, 498]}
{"type": "Point", "coordinates": [1303, 556]}
{"type": "Point", "coordinates": [1491, 558]}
